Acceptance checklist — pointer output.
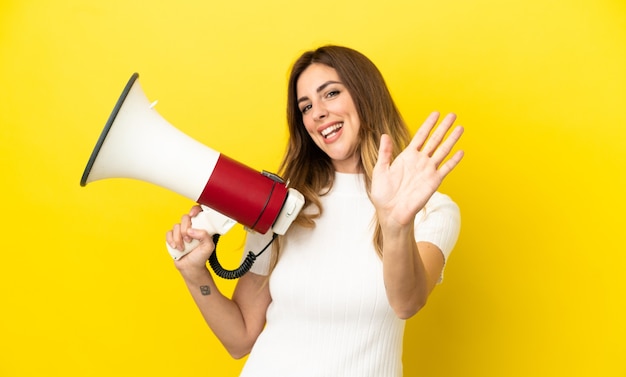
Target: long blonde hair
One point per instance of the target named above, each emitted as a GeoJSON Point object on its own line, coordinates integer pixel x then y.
{"type": "Point", "coordinates": [308, 168]}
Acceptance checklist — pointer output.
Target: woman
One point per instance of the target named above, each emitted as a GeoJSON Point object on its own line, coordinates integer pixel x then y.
{"type": "Point", "coordinates": [367, 249]}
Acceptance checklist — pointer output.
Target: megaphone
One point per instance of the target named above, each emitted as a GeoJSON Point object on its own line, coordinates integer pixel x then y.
{"type": "Point", "coordinates": [138, 143]}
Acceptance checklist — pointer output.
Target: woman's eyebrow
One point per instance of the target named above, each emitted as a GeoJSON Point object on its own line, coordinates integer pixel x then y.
{"type": "Point", "coordinates": [319, 89]}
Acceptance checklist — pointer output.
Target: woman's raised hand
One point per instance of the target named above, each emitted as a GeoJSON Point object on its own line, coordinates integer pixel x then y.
{"type": "Point", "coordinates": [402, 186]}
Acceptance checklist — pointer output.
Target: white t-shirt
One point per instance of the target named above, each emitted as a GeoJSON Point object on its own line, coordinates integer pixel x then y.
{"type": "Point", "coordinates": [329, 314]}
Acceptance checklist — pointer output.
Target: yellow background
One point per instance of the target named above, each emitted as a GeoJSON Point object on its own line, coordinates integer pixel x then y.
{"type": "Point", "coordinates": [536, 284]}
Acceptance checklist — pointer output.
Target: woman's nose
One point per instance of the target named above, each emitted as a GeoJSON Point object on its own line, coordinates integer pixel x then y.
{"type": "Point", "coordinates": [320, 112]}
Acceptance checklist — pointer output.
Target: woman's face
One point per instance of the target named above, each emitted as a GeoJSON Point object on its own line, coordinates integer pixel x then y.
{"type": "Point", "coordinates": [329, 115]}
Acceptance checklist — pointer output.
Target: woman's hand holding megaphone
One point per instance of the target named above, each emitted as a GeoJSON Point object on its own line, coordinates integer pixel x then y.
{"type": "Point", "coordinates": [194, 232]}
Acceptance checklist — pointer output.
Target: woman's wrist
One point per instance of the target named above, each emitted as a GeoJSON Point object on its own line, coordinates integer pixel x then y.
{"type": "Point", "coordinates": [394, 229]}
{"type": "Point", "coordinates": [195, 274]}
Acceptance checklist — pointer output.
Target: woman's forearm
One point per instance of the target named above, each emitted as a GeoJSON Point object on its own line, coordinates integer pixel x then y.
{"type": "Point", "coordinates": [406, 278]}
{"type": "Point", "coordinates": [222, 315]}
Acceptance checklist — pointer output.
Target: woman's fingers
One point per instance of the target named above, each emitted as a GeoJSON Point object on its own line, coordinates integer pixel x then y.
{"type": "Point", "coordinates": [444, 149]}
{"type": "Point", "coordinates": [422, 133]}
{"type": "Point", "coordinates": [450, 164]}
{"type": "Point", "coordinates": [438, 135]}
{"type": "Point", "coordinates": [174, 238]}
{"type": "Point", "coordinates": [185, 224]}
{"type": "Point", "coordinates": [435, 144]}
{"type": "Point", "coordinates": [195, 210]}
{"type": "Point", "coordinates": [179, 235]}
{"type": "Point", "coordinates": [169, 238]}
{"type": "Point", "coordinates": [385, 153]}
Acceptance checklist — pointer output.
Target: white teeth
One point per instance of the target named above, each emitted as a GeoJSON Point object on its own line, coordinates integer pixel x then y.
{"type": "Point", "coordinates": [331, 129]}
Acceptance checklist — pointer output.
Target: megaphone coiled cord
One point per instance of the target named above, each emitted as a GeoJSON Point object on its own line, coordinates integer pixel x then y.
{"type": "Point", "coordinates": [245, 266]}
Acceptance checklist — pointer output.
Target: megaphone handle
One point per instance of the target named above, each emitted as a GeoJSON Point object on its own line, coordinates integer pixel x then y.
{"type": "Point", "coordinates": [216, 224]}
{"type": "Point", "coordinates": [211, 221]}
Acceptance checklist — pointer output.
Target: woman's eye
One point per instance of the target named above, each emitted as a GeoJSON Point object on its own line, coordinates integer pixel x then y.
{"type": "Point", "coordinates": [332, 93]}
{"type": "Point", "coordinates": [305, 109]}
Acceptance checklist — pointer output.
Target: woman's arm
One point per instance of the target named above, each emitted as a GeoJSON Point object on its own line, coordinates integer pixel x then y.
{"type": "Point", "coordinates": [238, 321]}
{"type": "Point", "coordinates": [410, 271]}
{"type": "Point", "coordinates": [400, 189]}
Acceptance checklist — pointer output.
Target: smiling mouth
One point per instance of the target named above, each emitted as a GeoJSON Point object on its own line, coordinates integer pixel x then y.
{"type": "Point", "coordinates": [327, 132]}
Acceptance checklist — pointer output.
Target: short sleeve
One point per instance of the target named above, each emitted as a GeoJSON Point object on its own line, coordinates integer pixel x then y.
{"type": "Point", "coordinates": [439, 223]}
{"type": "Point", "coordinates": [255, 242]}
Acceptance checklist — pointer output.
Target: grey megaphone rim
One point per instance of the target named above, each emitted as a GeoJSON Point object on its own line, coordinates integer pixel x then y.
{"type": "Point", "coordinates": [107, 127]}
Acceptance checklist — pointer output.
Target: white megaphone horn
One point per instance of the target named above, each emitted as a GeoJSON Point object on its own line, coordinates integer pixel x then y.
{"type": "Point", "coordinates": [138, 143]}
